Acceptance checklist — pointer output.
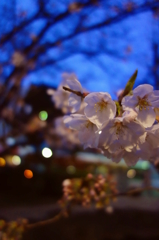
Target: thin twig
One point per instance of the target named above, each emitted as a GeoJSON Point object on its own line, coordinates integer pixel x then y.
{"type": "Point", "coordinates": [61, 213]}
{"type": "Point", "coordinates": [45, 222]}
{"type": "Point", "coordinates": [82, 95]}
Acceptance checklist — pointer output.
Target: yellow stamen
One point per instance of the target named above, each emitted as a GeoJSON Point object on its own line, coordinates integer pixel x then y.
{"type": "Point", "coordinates": [143, 103]}
{"type": "Point", "coordinates": [89, 124]}
{"type": "Point", "coordinates": [119, 129]}
{"type": "Point", "coordinates": [100, 106]}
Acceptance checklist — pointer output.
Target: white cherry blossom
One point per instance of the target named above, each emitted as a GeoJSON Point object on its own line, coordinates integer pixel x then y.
{"type": "Point", "coordinates": [87, 131]}
{"type": "Point", "coordinates": [74, 100]}
{"type": "Point", "coordinates": [130, 158]}
{"type": "Point", "coordinates": [143, 101]}
{"type": "Point", "coordinates": [131, 136]}
{"type": "Point", "coordinates": [149, 141]}
{"type": "Point", "coordinates": [60, 96]}
{"type": "Point", "coordinates": [121, 133]}
{"type": "Point", "coordinates": [100, 107]}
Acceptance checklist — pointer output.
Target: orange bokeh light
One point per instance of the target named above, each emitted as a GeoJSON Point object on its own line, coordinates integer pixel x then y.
{"type": "Point", "coordinates": [2, 162]}
{"type": "Point", "coordinates": [28, 173]}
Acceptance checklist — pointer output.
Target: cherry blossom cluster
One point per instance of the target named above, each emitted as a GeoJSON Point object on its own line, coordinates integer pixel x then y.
{"type": "Point", "coordinates": [125, 129]}
{"type": "Point", "coordinates": [98, 190]}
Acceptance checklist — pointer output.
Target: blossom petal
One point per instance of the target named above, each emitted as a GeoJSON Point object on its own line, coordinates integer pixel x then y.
{"type": "Point", "coordinates": [93, 98]}
{"type": "Point", "coordinates": [74, 84]}
{"type": "Point", "coordinates": [134, 125]}
{"type": "Point", "coordinates": [130, 158]}
{"type": "Point", "coordinates": [153, 140]}
{"type": "Point", "coordinates": [74, 102]}
{"type": "Point", "coordinates": [75, 121]}
{"type": "Point", "coordinates": [87, 134]}
{"type": "Point", "coordinates": [100, 107]}
{"type": "Point", "coordinates": [153, 98]}
{"type": "Point", "coordinates": [143, 90]}
{"type": "Point", "coordinates": [146, 117]}
{"type": "Point", "coordinates": [129, 102]}
{"type": "Point", "coordinates": [89, 137]}
{"type": "Point", "coordinates": [108, 134]}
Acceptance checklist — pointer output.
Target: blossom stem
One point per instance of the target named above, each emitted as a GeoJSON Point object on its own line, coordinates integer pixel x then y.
{"type": "Point", "coordinates": [82, 95]}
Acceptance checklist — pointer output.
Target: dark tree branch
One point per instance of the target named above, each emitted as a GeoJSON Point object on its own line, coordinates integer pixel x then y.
{"type": "Point", "coordinates": [110, 21]}
{"type": "Point", "coordinates": [7, 37]}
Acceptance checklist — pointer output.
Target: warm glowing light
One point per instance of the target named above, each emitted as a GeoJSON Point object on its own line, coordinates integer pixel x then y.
{"type": "Point", "coordinates": [66, 183]}
{"type": "Point", "coordinates": [109, 209]}
{"type": "Point", "coordinates": [100, 132]}
{"type": "Point", "coordinates": [70, 169]}
{"type": "Point", "coordinates": [43, 115]}
{"type": "Point", "coordinates": [28, 173]}
{"type": "Point", "coordinates": [2, 162]}
{"type": "Point", "coordinates": [16, 160]}
{"type": "Point", "coordinates": [46, 152]}
{"type": "Point", "coordinates": [131, 173]}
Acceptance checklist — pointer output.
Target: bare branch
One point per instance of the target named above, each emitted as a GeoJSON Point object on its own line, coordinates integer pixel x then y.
{"type": "Point", "coordinates": [5, 38]}
{"type": "Point", "coordinates": [61, 213]}
{"type": "Point", "coordinates": [45, 222]}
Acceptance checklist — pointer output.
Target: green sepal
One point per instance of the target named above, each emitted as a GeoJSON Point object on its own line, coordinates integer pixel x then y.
{"type": "Point", "coordinates": [129, 86]}
{"type": "Point", "coordinates": [118, 108]}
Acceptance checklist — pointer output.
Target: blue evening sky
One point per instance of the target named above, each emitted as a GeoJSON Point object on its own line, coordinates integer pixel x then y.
{"type": "Point", "coordinates": [118, 49]}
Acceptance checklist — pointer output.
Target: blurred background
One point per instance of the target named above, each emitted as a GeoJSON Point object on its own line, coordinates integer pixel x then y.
{"type": "Point", "coordinates": [103, 43]}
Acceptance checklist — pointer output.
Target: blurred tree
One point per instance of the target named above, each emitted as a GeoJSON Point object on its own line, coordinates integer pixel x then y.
{"type": "Point", "coordinates": [39, 40]}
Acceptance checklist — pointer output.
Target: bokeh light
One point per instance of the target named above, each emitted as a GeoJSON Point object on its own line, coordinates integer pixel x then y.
{"type": "Point", "coordinates": [145, 165]}
{"type": "Point", "coordinates": [101, 169]}
{"type": "Point", "coordinates": [71, 169]}
{"type": "Point", "coordinates": [10, 141]}
{"type": "Point", "coordinates": [2, 162]}
{"type": "Point", "coordinates": [28, 173]}
{"type": "Point", "coordinates": [131, 173]}
{"type": "Point", "coordinates": [43, 115]}
{"type": "Point", "coordinates": [46, 152]}
{"type": "Point", "coordinates": [16, 160]}
{"type": "Point", "coordinates": [109, 209]}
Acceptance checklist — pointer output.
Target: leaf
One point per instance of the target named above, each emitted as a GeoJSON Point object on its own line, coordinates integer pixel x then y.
{"type": "Point", "coordinates": [130, 83]}
{"type": "Point", "coordinates": [129, 86]}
